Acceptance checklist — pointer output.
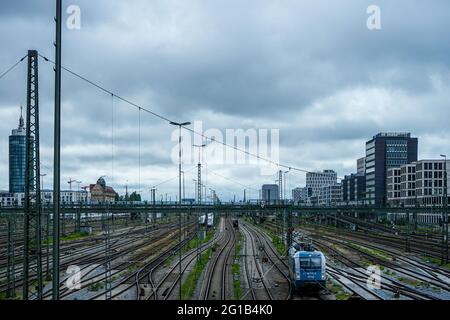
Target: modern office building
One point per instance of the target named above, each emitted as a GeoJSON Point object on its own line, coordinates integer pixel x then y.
{"type": "Point", "coordinates": [330, 195]}
{"type": "Point", "coordinates": [384, 151]}
{"type": "Point", "coordinates": [393, 186]}
{"type": "Point", "coordinates": [421, 183]}
{"type": "Point", "coordinates": [354, 189]}
{"type": "Point", "coordinates": [301, 195]}
{"type": "Point", "coordinates": [361, 165]}
{"type": "Point", "coordinates": [270, 193]}
{"type": "Point", "coordinates": [17, 158]}
{"type": "Point", "coordinates": [297, 195]}
{"type": "Point", "coordinates": [317, 180]}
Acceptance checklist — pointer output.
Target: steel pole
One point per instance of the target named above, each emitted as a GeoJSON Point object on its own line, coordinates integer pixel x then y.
{"type": "Point", "coordinates": [179, 213]}
{"type": "Point", "coordinates": [57, 151]}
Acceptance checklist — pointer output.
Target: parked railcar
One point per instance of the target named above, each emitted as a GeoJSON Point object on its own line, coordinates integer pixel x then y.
{"type": "Point", "coordinates": [202, 220]}
{"type": "Point", "coordinates": [210, 220]}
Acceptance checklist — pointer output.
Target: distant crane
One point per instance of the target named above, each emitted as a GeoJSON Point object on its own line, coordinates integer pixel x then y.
{"type": "Point", "coordinates": [70, 183]}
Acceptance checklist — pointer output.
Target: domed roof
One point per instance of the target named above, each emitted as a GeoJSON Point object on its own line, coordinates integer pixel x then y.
{"type": "Point", "coordinates": [101, 182]}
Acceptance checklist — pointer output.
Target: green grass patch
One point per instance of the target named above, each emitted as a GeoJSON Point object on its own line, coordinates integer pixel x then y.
{"type": "Point", "coordinates": [374, 252]}
{"type": "Point", "coordinates": [188, 287]}
{"type": "Point", "coordinates": [338, 291]}
{"type": "Point", "coordinates": [96, 286]}
{"type": "Point", "coordinates": [278, 244]}
{"type": "Point", "coordinates": [237, 289]}
{"type": "Point", "coordinates": [236, 270]}
{"type": "Point", "coordinates": [435, 261]}
{"type": "Point", "coordinates": [70, 237]}
{"type": "Point", "coordinates": [414, 283]}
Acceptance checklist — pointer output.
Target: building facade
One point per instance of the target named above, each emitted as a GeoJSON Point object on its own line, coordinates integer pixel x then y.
{"type": "Point", "coordinates": [270, 193]}
{"type": "Point", "coordinates": [17, 158]}
{"type": "Point", "coordinates": [421, 183]}
{"type": "Point", "coordinates": [385, 151]}
{"type": "Point", "coordinates": [7, 199]}
{"type": "Point", "coordinates": [393, 186]}
{"type": "Point", "coordinates": [316, 180]}
{"type": "Point", "coordinates": [354, 189]}
{"type": "Point", "coordinates": [301, 195]}
{"type": "Point", "coordinates": [67, 197]}
{"type": "Point", "coordinates": [102, 193]}
{"type": "Point", "coordinates": [361, 165]}
{"type": "Point", "coordinates": [330, 195]}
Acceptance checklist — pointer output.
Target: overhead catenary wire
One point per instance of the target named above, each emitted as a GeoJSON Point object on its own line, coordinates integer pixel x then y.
{"type": "Point", "coordinates": [171, 179]}
{"type": "Point", "coordinates": [231, 180]}
{"type": "Point", "coordinates": [12, 67]}
{"type": "Point", "coordinates": [164, 118]}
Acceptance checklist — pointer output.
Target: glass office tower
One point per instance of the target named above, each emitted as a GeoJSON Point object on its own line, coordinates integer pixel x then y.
{"type": "Point", "coordinates": [17, 161]}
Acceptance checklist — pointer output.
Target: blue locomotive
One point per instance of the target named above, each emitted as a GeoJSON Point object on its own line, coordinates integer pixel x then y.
{"type": "Point", "coordinates": [307, 267]}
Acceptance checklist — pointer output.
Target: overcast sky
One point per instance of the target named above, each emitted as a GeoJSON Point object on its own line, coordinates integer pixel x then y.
{"type": "Point", "coordinates": [311, 69]}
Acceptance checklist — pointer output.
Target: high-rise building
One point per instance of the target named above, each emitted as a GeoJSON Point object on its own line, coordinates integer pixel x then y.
{"type": "Point", "coordinates": [354, 189]}
{"type": "Point", "coordinates": [270, 193]}
{"type": "Point", "coordinates": [17, 158]}
{"type": "Point", "coordinates": [361, 165]}
{"type": "Point", "coordinates": [301, 195]}
{"type": "Point", "coordinates": [330, 195]}
{"type": "Point", "coordinates": [384, 151]}
{"type": "Point", "coordinates": [317, 180]}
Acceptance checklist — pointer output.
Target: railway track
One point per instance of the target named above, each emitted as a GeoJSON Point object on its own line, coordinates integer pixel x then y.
{"type": "Point", "coordinates": [354, 277]}
{"type": "Point", "coordinates": [253, 267]}
{"type": "Point", "coordinates": [275, 259]}
{"type": "Point", "coordinates": [218, 270]}
{"type": "Point", "coordinates": [432, 275]}
{"type": "Point", "coordinates": [164, 288]}
{"type": "Point", "coordinates": [355, 272]}
{"type": "Point", "coordinates": [147, 248]}
{"type": "Point", "coordinates": [88, 256]}
{"type": "Point", "coordinates": [417, 245]}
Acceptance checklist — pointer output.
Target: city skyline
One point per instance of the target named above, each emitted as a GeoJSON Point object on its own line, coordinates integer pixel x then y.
{"type": "Point", "coordinates": [325, 106]}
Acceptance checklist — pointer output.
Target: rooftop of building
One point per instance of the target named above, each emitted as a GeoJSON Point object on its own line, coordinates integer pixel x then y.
{"type": "Point", "coordinates": [20, 131]}
{"type": "Point", "coordinates": [392, 135]}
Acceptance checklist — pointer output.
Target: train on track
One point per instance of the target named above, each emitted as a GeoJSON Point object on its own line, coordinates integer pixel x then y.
{"type": "Point", "coordinates": [307, 267]}
{"type": "Point", "coordinates": [206, 220]}
{"type": "Point", "coordinates": [210, 220]}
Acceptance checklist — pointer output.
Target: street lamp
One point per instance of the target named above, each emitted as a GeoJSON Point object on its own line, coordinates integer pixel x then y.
{"type": "Point", "coordinates": [179, 125]}
{"type": "Point", "coordinates": [184, 195]}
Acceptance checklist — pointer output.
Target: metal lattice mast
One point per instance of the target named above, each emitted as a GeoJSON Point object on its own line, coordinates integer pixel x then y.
{"type": "Point", "coordinates": [32, 205]}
